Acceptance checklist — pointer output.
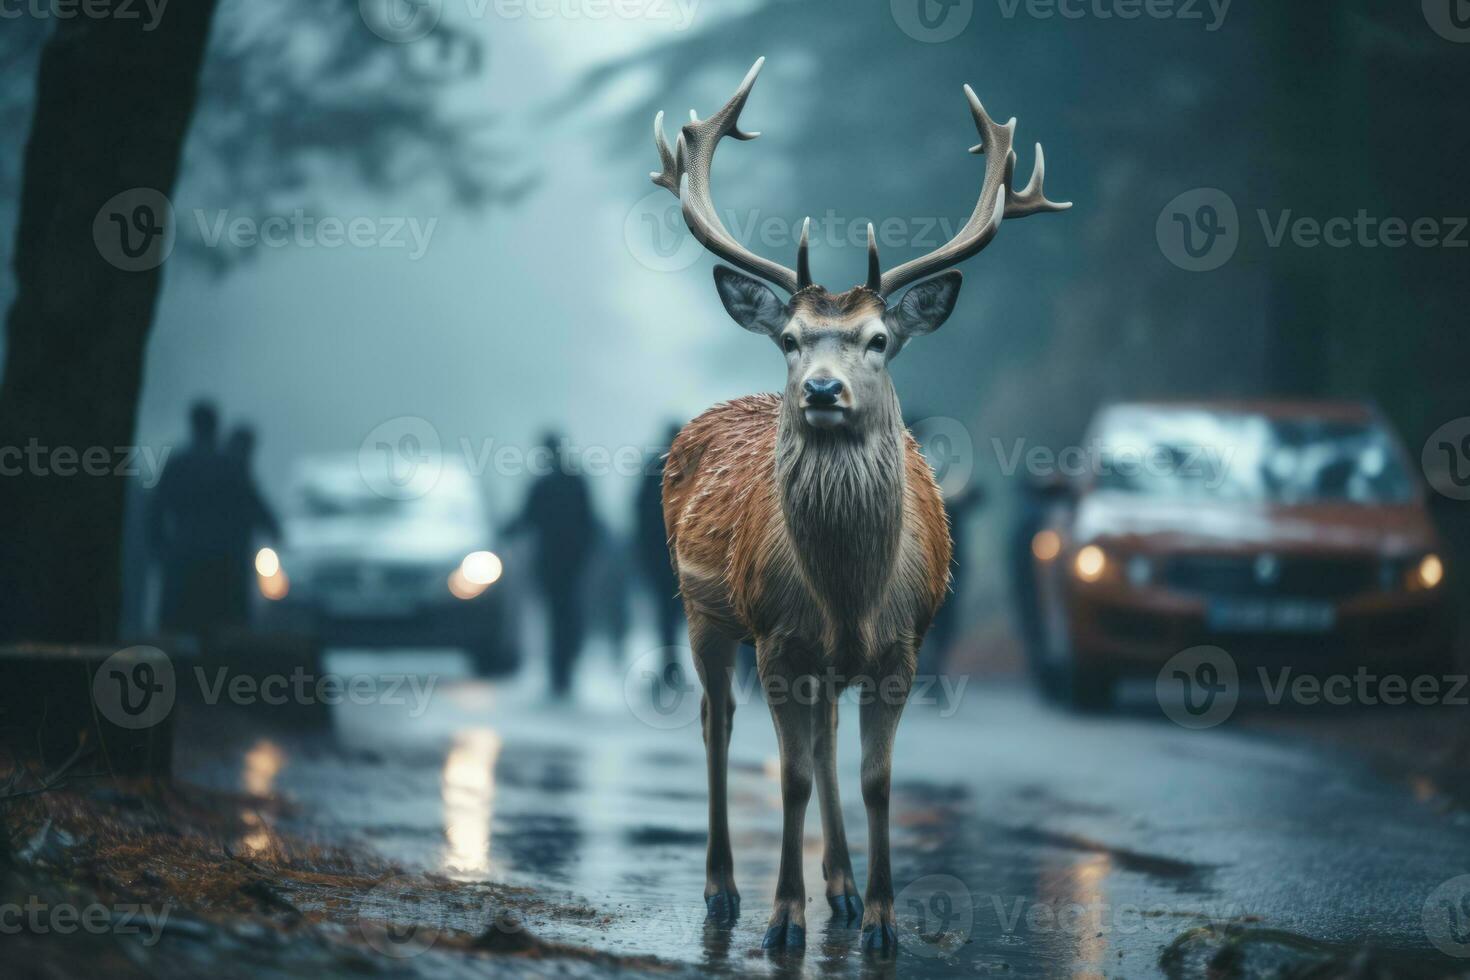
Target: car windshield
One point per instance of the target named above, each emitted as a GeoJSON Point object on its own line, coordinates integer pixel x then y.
{"type": "Point", "coordinates": [326, 493]}
{"type": "Point", "coordinates": [1245, 456]}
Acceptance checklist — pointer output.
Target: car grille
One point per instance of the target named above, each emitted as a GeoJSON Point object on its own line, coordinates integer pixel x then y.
{"type": "Point", "coordinates": [1266, 575]}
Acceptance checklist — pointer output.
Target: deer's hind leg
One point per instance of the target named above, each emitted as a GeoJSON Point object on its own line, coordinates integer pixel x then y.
{"type": "Point", "coordinates": [714, 659]}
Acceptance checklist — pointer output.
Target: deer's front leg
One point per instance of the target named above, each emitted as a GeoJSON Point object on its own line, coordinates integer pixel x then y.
{"type": "Point", "coordinates": [792, 712]}
{"type": "Point", "coordinates": [882, 705]}
{"type": "Point", "coordinates": [842, 891]}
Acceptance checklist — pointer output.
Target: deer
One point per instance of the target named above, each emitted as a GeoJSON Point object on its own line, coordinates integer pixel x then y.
{"type": "Point", "coordinates": [809, 523]}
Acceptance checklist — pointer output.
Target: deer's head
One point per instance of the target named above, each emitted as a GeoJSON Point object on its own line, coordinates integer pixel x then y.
{"type": "Point", "coordinates": [838, 345]}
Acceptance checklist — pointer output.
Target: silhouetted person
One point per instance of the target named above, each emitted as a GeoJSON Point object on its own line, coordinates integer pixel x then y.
{"type": "Point", "coordinates": [246, 515]}
{"type": "Point", "coordinates": [609, 589]}
{"type": "Point", "coordinates": [1032, 504]}
{"type": "Point", "coordinates": [652, 541]}
{"type": "Point", "coordinates": [188, 529]}
{"type": "Point", "coordinates": [558, 514]}
{"type": "Point", "coordinates": [939, 644]}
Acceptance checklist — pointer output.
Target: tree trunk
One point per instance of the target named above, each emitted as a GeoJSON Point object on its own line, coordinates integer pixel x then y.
{"type": "Point", "coordinates": [113, 107]}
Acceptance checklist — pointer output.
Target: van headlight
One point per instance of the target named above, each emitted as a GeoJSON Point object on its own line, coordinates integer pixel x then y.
{"type": "Point", "coordinates": [1429, 572]}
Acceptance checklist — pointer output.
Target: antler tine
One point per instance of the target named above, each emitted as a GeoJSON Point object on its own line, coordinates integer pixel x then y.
{"type": "Point", "coordinates": [803, 262]}
{"type": "Point", "coordinates": [668, 176]}
{"type": "Point", "coordinates": [875, 269]}
{"type": "Point", "coordinates": [1032, 198]}
{"type": "Point", "coordinates": [997, 201]}
{"type": "Point", "coordinates": [984, 221]}
{"type": "Point", "coordinates": [686, 173]}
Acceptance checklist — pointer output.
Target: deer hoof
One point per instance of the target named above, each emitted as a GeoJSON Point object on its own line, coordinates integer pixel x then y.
{"type": "Point", "coordinates": [722, 907]}
{"type": "Point", "coordinates": [880, 938]}
{"type": "Point", "coordinates": [785, 935]}
{"type": "Point", "coordinates": [845, 908]}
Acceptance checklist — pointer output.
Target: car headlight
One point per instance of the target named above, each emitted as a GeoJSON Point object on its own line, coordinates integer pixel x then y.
{"type": "Point", "coordinates": [1429, 572]}
{"type": "Point", "coordinates": [267, 562]}
{"type": "Point", "coordinates": [478, 571]}
{"type": "Point", "coordinates": [481, 568]}
{"type": "Point", "coordinates": [270, 575]}
{"type": "Point", "coordinates": [1046, 545]}
{"type": "Point", "coordinates": [1090, 563]}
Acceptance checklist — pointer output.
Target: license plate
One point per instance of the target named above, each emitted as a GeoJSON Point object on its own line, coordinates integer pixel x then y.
{"type": "Point", "coordinates": [1271, 616]}
{"type": "Point", "coordinates": [367, 606]}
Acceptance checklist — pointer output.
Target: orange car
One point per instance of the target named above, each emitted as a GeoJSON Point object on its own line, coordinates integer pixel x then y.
{"type": "Point", "coordinates": [1288, 534]}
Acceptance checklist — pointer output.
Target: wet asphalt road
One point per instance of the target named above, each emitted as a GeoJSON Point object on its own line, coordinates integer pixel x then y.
{"type": "Point", "coordinates": [1025, 842]}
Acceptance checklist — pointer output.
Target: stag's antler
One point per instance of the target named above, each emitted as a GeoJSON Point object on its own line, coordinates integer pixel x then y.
{"type": "Point", "coordinates": [686, 173]}
{"type": "Point", "coordinates": [998, 201]}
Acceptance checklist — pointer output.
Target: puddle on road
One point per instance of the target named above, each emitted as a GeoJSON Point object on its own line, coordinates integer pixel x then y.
{"type": "Point", "coordinates": [593, 809]}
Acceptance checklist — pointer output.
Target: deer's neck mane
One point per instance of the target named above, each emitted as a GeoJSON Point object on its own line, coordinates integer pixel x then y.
{"type": "Point", "coordinates": [842, 496]}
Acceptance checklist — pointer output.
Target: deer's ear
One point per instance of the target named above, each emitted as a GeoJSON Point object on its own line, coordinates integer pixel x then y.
{"type": "Point", "coordinates": [750, 302]}
{"type": "Point", "coordinates": [924, 308]}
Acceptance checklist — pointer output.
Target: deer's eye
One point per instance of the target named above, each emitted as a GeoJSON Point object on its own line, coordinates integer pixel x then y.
{"type": "Point", "coordinates": [788, 343]}
{"type": "Point", "coordinates": [878, 344]}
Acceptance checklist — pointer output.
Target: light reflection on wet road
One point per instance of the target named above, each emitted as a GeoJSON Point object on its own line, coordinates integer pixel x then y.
{"type": "Point", "coordinates": [1025, 842]}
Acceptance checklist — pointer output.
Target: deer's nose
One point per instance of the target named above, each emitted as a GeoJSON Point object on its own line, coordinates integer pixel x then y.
{"type": "Point", "coordinates": [822, 391]}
